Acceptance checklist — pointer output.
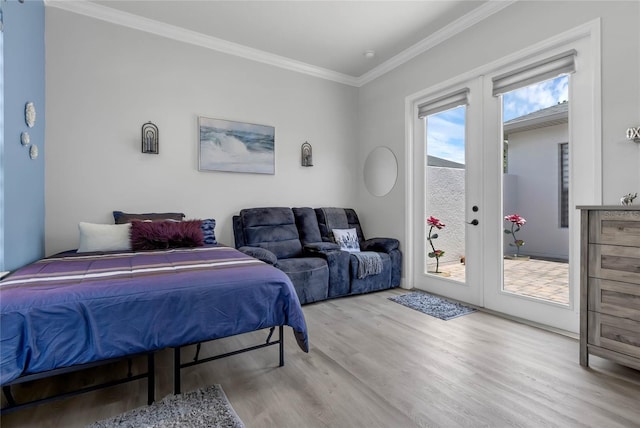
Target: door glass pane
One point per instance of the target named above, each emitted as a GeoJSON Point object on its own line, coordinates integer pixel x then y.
{"type": "Point", "coordinates": [536, 191]}
{"type": "Point", "coordinates": [445, 194]}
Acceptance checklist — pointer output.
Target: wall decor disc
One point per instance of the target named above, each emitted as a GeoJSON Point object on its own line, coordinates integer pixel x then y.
{"type": "Point", "coordinates": [30, 114]}
{"type": "Point", "coordinates": [33, 152]}
{"type": "Point", "coordinates": [25, 139]}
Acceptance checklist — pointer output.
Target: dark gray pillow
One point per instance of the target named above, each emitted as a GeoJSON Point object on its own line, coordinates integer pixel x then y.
{"type": "Point", "coordinates": [121, 217]}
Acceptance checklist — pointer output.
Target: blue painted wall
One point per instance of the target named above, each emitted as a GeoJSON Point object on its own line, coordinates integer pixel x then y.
{"type": "Point", "coordinates": [23, 178]}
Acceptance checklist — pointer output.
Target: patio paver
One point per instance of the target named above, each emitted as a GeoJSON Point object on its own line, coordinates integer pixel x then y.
{"type": "Point", "coordinates": [542, 279]}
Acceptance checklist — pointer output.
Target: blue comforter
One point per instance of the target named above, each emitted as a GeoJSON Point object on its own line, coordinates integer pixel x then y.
{"type": "Point", "coordinates": [74, 308]}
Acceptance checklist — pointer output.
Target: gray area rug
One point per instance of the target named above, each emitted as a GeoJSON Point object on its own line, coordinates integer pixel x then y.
{"type": "Point", "coordinates": [432, 305]}
{"type": "Point", "coordinates": [208, 407]}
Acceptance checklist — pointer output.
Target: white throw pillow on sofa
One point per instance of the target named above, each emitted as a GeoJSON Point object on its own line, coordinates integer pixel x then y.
{"type": "Point", "coordinates": [104, 237]}
{"type": "Point", "coordinates": [347, 239]}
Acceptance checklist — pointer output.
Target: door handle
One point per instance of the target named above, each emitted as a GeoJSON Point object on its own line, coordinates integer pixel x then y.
{"type": "Point", "coordinates": [473, 222]}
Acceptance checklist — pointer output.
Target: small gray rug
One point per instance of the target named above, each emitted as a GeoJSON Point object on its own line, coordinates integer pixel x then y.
{"type": "Point", "coordinates": [208, 407]}
{"type": "Point", "coordinates": [432, 305]}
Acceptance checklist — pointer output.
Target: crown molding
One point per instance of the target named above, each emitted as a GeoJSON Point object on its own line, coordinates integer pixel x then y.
{"type": "Point", "coordinates": [459, 25]}
{"type": "Point", "coordinates": [136, 22]}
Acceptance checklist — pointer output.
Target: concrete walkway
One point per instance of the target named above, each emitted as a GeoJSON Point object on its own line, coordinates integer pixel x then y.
{"type": "Point", "coordinates": [534, 278]}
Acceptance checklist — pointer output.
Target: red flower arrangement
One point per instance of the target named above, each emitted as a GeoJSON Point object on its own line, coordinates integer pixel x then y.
{"type": "Point", "coordinates": [516, 223]}
{"type": "Point", "coordinates": [434, 222]}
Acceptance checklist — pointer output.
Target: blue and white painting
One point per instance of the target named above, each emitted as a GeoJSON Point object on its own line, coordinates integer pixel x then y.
{"type": "Point", "coordinates": [236, 146]}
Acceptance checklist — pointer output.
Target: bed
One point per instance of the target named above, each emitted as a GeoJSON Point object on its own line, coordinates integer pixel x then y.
{"type": "Point", "coordinates": [74, 309]}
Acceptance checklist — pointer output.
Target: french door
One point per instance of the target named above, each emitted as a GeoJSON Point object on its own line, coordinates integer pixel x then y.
{"type": "Point", "coordinates": [448, 196]}
{"type": "Point", "coordinates": [457, 202]}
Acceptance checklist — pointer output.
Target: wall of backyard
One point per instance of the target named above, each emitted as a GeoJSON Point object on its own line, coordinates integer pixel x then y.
{"type": "Point", "coordinates": [534, 158]}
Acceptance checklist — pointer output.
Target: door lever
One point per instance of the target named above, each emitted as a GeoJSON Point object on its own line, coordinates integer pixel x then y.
{"type": "Point", "coordinates": [473, 222]}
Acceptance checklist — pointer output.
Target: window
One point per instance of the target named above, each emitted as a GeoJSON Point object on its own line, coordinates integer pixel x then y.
{"type": "Point", "coordinates": [445, 126]}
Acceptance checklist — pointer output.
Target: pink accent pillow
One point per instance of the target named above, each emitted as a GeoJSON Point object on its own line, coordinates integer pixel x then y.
{"type": "Point", "coordinates": [160, 235]}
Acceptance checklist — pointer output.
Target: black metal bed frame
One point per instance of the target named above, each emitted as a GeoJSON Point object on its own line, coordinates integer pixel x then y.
{"type": "Point", "coordinates": [177, 365]}
{"type": "Point", "coordinates": [149, 374]}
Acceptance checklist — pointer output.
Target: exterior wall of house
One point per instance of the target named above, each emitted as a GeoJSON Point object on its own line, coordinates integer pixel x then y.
{"type": "Point", "coordinates": [105, 81]}
{"type": "Point", "coordinates": [381, 103]}
{"type": "Point", "coordinates": [534, 159]}
{"type": "Point", "coordinates": [531, 189]}
{"type": "Point", "coordinates": [22, 178]}
{"type": "Point", "coordinates": [446, 203]}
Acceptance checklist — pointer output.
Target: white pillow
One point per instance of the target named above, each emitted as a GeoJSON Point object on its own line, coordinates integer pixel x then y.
{"type": "Point", "coordinates": [104, 237]}
{"type": "Point", "coordinates": [347, 239]}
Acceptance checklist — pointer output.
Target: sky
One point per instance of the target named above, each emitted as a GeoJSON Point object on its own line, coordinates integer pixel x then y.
{"type": "Point", "coordinates": [445, 130]}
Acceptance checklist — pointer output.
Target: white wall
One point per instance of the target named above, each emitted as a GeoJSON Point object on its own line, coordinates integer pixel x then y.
{"type": "Point", "coordinates": [524, 23]}
{"type": "Point", "coordinates": [104, 81]}
{"type": "Point", "coordinates": [534, 158]}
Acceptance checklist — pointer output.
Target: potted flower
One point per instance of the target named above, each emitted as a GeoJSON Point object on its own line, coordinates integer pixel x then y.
{"type": "Point", "coordinates": [434, 254]}
{"type": "Point", "coordinates": [517, 222]}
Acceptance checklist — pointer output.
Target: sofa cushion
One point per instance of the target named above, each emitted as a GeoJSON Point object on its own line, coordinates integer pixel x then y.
{"type": "Point", "coordinates": [325, 223]}
{"type": "Point", "coordinates": [273, 229]}
{"type": "Point", "coordinates": [380, 281]}
{"type": "Point", "coordinates": [301, 264]}
{"type": "Point", "coordinates": [384, 245]}
{"type": "Point", "coordinates": [310, 277]}
{"type": "Point", "coordinates": [307, 224]}
{"type": "Point", "coordinates": [260, 254]}
{"type": "Point", "coordinates": [354, 222]}
{"type": "Point", "coordinates": [320, 247]}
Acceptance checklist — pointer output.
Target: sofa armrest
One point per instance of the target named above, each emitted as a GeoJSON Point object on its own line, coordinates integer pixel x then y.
{"type": "Point", "coordinates": [321, 247]}
{"type": "Point", "coordinates": [260, 254]}
{"type": "Point", "coordinates": [338, 263]}
{"type": "Point", "coordinates": [381, 245]}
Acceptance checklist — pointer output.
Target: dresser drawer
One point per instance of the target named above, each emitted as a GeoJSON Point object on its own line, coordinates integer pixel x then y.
{"type": "Point", "coordinates": [614, 227]}
{"type": "Point", "coordinates": [614, 262]}
{"type": "Point", "coordinates": [614, 333]}
{"type": "Point", "coordinates": [620, 299]}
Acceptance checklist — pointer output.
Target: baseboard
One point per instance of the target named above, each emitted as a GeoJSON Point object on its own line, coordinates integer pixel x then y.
{"type": "Point", "coordinates": [530, 323]}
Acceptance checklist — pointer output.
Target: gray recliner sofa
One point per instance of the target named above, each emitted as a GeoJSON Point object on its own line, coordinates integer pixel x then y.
{"type": "Point", "coordinates": [387, 248]}
{"type": "Point", "coordinates": [290, 240]}
{"type": "Point", "coordinates": [297, 241]}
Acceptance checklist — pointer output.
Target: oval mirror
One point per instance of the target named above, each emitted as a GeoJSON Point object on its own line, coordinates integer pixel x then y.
{"type": "Point", "coordinates": [380, 171]}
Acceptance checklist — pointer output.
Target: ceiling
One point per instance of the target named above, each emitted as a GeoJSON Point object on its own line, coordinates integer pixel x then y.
{"type": "Point", "coordinates": [328, 36]}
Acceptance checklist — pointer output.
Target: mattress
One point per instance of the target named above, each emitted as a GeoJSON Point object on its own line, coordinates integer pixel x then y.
{"type": "Point", "coordinates": [76, 308]}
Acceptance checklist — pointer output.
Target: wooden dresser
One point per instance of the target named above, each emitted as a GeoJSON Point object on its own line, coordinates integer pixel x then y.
{"type": "Point", "coordinates": [610, 284]}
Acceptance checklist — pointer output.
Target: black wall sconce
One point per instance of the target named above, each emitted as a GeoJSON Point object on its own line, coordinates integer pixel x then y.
{"type": "Point", "coordinates": [307, 154]}
{"type": "Point", "coordinates": [149, 138]}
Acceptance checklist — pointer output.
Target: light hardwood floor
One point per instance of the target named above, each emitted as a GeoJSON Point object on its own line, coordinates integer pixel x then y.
{"type": "Point", "coordinates": [375, 363]}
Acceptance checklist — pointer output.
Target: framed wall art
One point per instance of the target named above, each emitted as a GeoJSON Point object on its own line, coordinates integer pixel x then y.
{"type": "Point", "coordinates": [231, 146]}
